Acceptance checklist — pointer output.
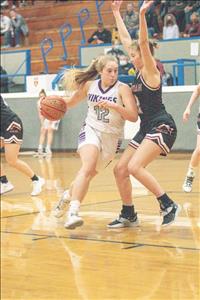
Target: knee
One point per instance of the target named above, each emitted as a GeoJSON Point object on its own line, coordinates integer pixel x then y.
{"type": "Point", "coordinates": [120, 171]}
{"type": "Point", "coordinates": [133, 168]}
{"type": "Point", "coordinates": [88, 172]}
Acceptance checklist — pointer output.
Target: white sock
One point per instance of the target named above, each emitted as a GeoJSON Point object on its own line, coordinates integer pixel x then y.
{"type": "Point", "coordinates": [48, 148]}
{"type": "Point", "coordinates": [40, 147]}
{"type": "Point", "coordinates": [74, 207]}
{"type": "Point", "coordinates": [191, 172]}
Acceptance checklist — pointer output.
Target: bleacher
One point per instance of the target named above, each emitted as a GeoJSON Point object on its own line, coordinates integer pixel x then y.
{"type": "Point", "coordinates": [44, 20]}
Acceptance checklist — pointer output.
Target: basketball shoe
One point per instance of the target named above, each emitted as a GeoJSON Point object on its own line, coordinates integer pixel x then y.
{"type": "Point", "coordinates": [6, 187]}
{"type": "Point", "coordinates": [61, 205]}
{"type": "Point", "coordinates": [170, 213]}
{"type": "Point", "coordinates": [187, 185]}
{"type": "Point", "coordinates": [73, 220]}
{"type": "Point", "coordinates": [123, 221]}
{"type": "Point", "coordinates": [37, 186]}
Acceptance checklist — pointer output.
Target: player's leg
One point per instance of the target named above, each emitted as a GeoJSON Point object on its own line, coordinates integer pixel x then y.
{"type": "Point", "coordinates": [5, 185]}
{"type": "Point", "coordinates": [127, 216]}
{"type": "Point", "coordinates": [43, 132]}
{"type": "Point", "coordinates": [146, 153]}
{"type": "Point", "coordinates": [194, 161]}
{"type": "Point", "coordinates": [50, 133]}
{"type": "Point", "coordinates": [11, 156]}
{"type": "Point", "coordinates": [89, 156]}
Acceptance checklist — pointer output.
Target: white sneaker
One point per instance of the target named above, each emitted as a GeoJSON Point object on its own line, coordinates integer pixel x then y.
{"type": "Point", "coordinates": [6, 187]}
{"type": "Point", "coordinates": [73, 221]}
{"type": "Point", "coordinates": [61, 205]}
{"type": "Point", "coordinates": [48, 152]}
{"type": "Point", "coordinates": [37, 186]}
{"type": "Point", "coordinates": [187, 185]}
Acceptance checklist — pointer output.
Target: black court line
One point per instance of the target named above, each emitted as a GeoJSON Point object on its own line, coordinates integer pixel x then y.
{"type": "Point", "coordinates": [133, 244]}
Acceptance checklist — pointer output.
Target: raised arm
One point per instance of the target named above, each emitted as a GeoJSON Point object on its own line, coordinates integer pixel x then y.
{"type": "Point", "coordinates": [192, 100]}
{"type": "Point", "coordinates": [148, 59]}
{"type": "Point", "coordinates": [123, 32]}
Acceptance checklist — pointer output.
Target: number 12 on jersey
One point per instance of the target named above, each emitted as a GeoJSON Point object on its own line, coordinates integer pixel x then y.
{"type": "Point", "coordinates": [102, 114]}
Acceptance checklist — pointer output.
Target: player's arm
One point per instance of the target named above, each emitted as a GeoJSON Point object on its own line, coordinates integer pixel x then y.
{"type": "Point", "coordinates": [149, 62]}
{"type": "Point", "coordinates": [77, 96]}
{"type": "Point", "coordinates": [123, 32]}
{"type": "Point", "coordinates": [129, 109]}
{"type": "Point", "coordinates": [192, 100]}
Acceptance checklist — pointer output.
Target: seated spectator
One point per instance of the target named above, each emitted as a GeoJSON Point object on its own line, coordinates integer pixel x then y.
{"type": "Point", "coordinates": [177, 8]}
{"type": "Point", "coordinates": [6, 29]}
{"type": "Point", "coordinates": [101, 35]}
{"type": "Point", "coordinates": [193, 28]}
{"type": "Point", "coordinates": [192, 6]}
{"type": "Point", "coordinates": [19, 26]}
{"type": "Point", "coordinates": [125, 66]}
{"type": "Point", "coordinates": [170, 28]}
{"type": "Point", "coordinates": [3, 81]}
{"type": "Point", "coordinates": [131, 20]}
{"type": "Point", "coordinates": [115, 36]}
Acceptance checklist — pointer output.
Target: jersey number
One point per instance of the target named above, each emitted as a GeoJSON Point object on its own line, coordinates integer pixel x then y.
{"type": "Point", "coordinates": [102, 113]}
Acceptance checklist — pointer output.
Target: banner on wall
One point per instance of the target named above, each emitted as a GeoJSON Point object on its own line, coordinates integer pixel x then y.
{"type": "Point", "coordinates": [35, 83]}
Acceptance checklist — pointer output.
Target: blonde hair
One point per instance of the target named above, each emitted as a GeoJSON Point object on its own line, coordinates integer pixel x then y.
{"type": "Point", "coordinates": [74, 78]}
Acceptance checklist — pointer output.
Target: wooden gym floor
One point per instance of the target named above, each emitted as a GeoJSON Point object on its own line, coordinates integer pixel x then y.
{"type": "Point", "coordinates": [41, 260]}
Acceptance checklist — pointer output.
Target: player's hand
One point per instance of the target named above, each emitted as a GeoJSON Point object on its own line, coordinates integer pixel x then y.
{"type": "Point", "coordinates": [146, 5]}
{"type": "Point", "coordinates": [116, 4]}
{"type": "Point", "coordinates": [106, 104]}
{"type": "Point", "coordinates": [186, 115]}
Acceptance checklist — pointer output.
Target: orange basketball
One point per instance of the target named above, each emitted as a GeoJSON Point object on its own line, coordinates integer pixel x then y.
{"type": "Point", "coordinates": [53, 107]}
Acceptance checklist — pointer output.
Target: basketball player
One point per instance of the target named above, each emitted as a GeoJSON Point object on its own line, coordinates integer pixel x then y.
{"type": "Point", "coordinates": [110, 103]}
{"type": "Point", "coordinates": [194, 161]}
{"type": "Point", "coordinates": [11, 138]}
{"type": "Point", "coordinates": [46, 131]}
{"type": "Point", "coordinates": [157, 131]}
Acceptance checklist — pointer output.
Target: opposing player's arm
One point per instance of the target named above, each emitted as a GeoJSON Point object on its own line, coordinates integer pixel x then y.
{"type": "Point", "coordinates": [149, 62]}
{"type": "Point", "coordinates": [78, 95]}
{"type": "Point", "coordinates": [123, 32]}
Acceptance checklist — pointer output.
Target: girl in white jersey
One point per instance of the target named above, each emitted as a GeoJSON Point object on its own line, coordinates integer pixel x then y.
{"type": "Point", "coordinates": [194, 161]}
{"type": "Point", "coordinates": [46, 131]}
{"type": "Point", "coordinates": [110, 103]}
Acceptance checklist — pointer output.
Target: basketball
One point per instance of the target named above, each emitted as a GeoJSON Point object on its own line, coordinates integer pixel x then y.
{"type": "Point", "coordinates": [53, 107]}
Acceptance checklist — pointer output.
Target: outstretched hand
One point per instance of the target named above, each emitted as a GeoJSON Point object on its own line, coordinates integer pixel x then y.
{"type": "Point", "coordinates": [116, 4]}
{"type": "Point", "coordinates": [146, 5]}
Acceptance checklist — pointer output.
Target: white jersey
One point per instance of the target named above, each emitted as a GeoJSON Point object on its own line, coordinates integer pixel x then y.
{"type": "Point", "coordinates": [103, 119]}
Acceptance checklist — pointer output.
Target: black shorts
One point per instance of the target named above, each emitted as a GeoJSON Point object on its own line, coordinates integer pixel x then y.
{"type": "Point", "coordinates": [12, 131]}
{"type": "Point", "coordinates": [198, 123]}
{"type": "Point", "coordinates": [161, 130]}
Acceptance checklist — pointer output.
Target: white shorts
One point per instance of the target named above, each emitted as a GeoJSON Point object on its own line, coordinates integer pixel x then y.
{"type": "Point", "coordinates": [108, 144]}
{"type": "Point", "coordinates": [50, 124]}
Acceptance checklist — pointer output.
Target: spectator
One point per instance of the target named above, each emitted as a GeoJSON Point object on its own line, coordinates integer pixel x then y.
{"type": "Point", "coordinates": [6, 28]}
{"type": "Point", "coordinates": [170, 28]}
{"type": "Point", "coordinates": [101, 35]}
{"type": "Point", "coordinates": [19, 26]}
{"type": "Point", "coordinates": [4, 81]}
{"type": "Point", "coordinates": [193, 28]}
{"type": "Point", "coordinates": [116, 51]}
{"type": "Point", "coordinates": [192, 6]}
{"type": "Point", "coordinates": [177, 8]}
{"type": "Point", "coordinates": [131, 20]}
{"type": "Point", "coordinates": [125, 66]}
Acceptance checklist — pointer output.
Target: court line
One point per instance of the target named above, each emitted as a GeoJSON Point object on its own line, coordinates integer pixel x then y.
{"type": "Point", "coordinates": [43, 236]}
